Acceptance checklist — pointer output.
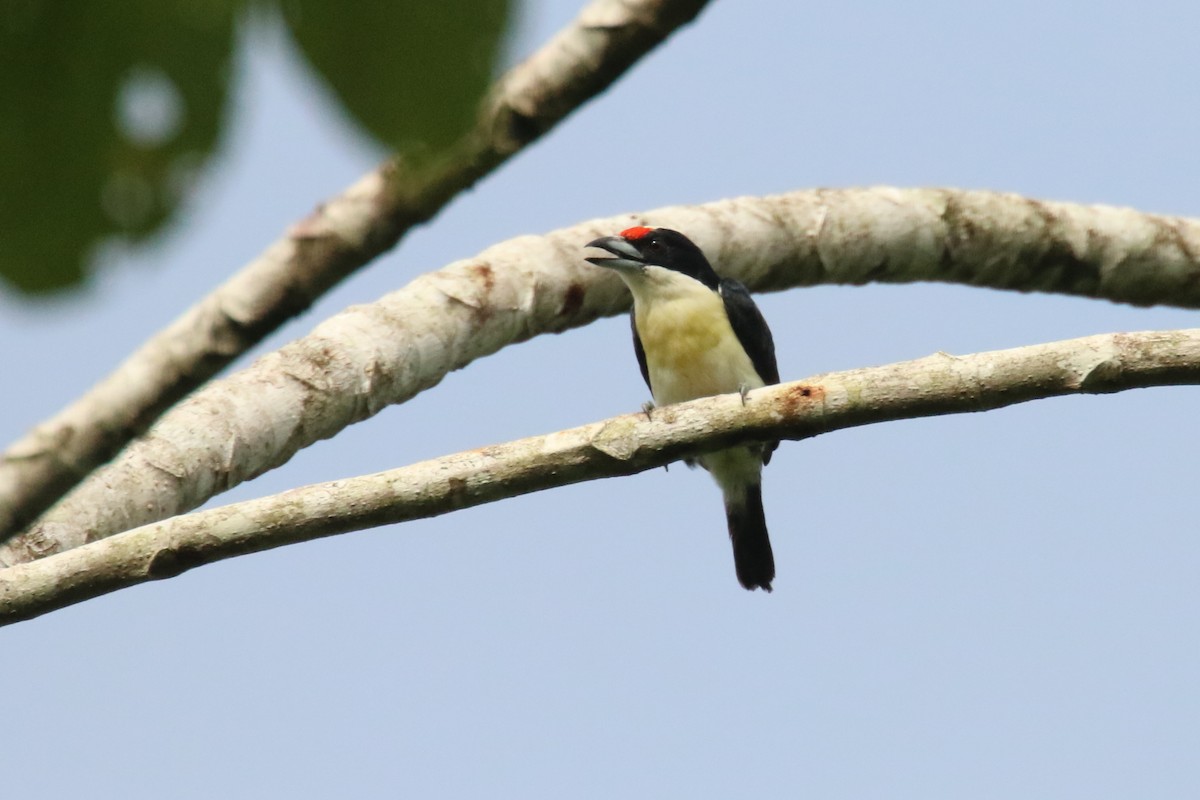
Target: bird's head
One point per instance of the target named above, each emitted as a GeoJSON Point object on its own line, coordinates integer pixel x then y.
{"type": "Point", "coordinates": [637, 249]}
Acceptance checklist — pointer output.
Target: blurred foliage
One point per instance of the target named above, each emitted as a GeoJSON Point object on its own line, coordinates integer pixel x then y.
{"type": "Point", "coordinates": [71, 170]}
{"type": "Point", "coordinates": [411, 73]}
{"type": "Point", "coordinates": [109, 111]}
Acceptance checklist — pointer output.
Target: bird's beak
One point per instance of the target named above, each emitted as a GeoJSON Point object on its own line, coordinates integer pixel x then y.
{"type": "Point", "coordinates": [628, 257]}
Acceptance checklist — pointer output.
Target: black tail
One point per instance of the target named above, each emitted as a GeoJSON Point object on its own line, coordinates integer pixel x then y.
{"type": "Point", "coordinates": [752, 556]}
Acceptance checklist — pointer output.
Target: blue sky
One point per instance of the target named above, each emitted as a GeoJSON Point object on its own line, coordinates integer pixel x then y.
{"type": "Point", "coordinates": [991, 605]}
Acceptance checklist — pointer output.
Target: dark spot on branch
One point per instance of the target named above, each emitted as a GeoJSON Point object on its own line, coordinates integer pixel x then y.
{"type": "Point", "coordinates": [172, 561]}
{"type": "Point", "coordinates": [877, 273]}
{"type": "Point", "coordinates": [485, 275]}
{"type": "Point", "coordinates": [1064, 271]}
{"type": "Point", "coordinates": [522, 128]}
{"type": "Point", "coordinates": [456, 493]}
{"type": "Point", "coordinates": [803, 397]}
{"type": "Point", "coordinates": [572, 300]}
{"type": "Point", "coordinates": [1058, 267]}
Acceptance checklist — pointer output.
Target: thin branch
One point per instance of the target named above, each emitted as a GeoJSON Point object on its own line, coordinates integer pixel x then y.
{"type": "Point", "coordinates": [367, 357]}
{"type": "Point", "coordinates": [343, 234]}
{"type": "Point", "coordinates": [938, 384]}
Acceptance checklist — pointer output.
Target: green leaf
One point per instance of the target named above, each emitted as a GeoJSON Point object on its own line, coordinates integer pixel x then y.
{"type": "Point", "coordinates": [107, 111]}
{"type": "Point", "coordinates": [411, 73]}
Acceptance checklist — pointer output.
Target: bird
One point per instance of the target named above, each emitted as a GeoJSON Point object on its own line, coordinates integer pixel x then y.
{"type": "Point", "coordinates": [697, 334]}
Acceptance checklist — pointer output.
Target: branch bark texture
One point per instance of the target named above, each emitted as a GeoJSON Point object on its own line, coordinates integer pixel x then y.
{"type": "Point", "coordinates": [367, 357]}
{"type": "Point", "coordinates": [938, 384]}
{"type": "Point", "coordinates": [341, 235]}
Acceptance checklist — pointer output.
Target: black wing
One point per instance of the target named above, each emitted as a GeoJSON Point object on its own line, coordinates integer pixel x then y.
{"type": "Point", "coordinates": [751, 329]}
{"type": "Point", "coordinates": [755, 337]}
{"type": "Point", "coordinates": [641, 353]}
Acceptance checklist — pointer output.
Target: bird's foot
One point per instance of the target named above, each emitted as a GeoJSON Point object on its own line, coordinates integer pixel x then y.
{"type": "Point", "coordinates": [743, 390]}
{"type": "Point", "coordinates": [648, 409]}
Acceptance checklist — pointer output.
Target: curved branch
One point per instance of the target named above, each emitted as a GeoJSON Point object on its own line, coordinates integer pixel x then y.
{"type": "Point", "coordinates": [939, 384]}
{"type": "Point", "coordinates": [341, 235]}
{"type": "Point", "coordinates": [367, 357]}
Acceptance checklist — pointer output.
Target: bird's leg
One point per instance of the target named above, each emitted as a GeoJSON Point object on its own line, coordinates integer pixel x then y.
{"type": "Point", "coordinates": [743, 390]}
{"type": "Point", "coordinates": [647, 408]}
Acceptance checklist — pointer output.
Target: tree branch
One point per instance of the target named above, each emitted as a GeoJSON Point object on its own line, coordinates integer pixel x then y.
{"type": "Point", "coordinates": [340, 236]}
{"type": "Point", "coordinates": [938, 384]}
{"type": "Point", "coordinates": [367, 357]}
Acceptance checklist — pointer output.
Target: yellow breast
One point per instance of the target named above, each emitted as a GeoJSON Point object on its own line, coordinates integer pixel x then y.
{"type": "Point", "coordinates": [691, 349]}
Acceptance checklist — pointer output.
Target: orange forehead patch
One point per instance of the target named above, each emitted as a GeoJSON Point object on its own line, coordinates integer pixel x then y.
{"type": "Point", "coordinates": [633, 234]}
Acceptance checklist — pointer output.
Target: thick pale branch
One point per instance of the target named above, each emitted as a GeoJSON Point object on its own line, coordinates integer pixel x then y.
{"type": "Point", "coordinates": [343, 234]}
{"type": "Point", "coordinates": [939, 384]}
{"type": "Point", "coordinates": [367, 357]}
